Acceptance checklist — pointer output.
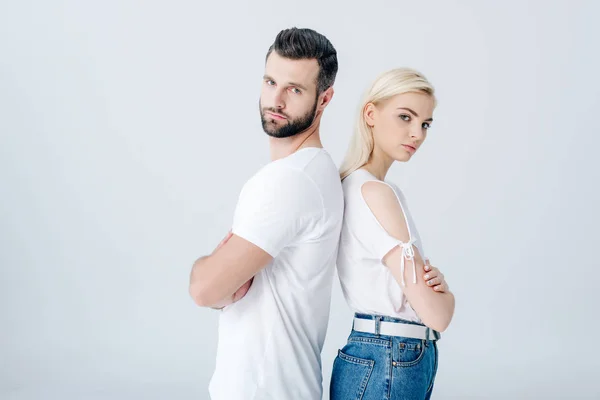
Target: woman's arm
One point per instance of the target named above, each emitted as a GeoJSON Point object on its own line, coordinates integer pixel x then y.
{"type": "Point", "coordinates": [435, 309]}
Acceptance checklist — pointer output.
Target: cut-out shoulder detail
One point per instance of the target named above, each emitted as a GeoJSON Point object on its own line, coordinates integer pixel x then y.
{"type": "Point", "coordinates": [372, 253]}
{"type": "Point", "coordinates": [386, 207]}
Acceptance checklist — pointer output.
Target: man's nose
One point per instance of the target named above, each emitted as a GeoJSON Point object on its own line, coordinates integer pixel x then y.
{"type": "Point", "coordinates": [279, 99]}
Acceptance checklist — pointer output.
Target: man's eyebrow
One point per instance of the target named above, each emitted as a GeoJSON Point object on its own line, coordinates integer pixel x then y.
{"type": "Point", "coordinates": [267, 77]}
{"type": "Point", "coordinates": [298, 85]}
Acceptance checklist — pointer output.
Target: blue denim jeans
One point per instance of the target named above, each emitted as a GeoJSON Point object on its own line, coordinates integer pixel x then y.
{"type": "Point", "coordinates": [378, 367]}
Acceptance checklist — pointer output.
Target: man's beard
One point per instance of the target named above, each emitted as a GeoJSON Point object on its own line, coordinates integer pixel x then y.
{"type": "Point", "coordinates": [292, 128]}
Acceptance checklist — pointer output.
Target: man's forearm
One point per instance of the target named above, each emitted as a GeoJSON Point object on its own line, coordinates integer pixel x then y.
{"type": "Point", "coordinates": [238, 295]}
{"type": "Point", "coordinates": [196, 278]}
{"type": "Point", "coordinates": [222, 304]}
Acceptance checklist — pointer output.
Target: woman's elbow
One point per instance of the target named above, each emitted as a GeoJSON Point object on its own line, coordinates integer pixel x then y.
{"type": "Point", "coordinates": [439, 325]}
{"type": "Point", "coordinates": [441, 319]}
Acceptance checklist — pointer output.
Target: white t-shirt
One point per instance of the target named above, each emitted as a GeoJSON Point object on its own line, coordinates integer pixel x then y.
{"type": "Point", "coordinates": [368, 285]}
{"type": "Point", "coordinates": [270, 341]}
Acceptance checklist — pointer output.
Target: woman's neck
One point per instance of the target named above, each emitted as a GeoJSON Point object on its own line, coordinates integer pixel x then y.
{"type": "Point", "coordinates": [379, 164]}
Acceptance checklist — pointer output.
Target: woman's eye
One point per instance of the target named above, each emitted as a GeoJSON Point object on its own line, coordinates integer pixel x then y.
{"type": "Point", "coordinates": [426, 125]}
{"type": "Point", "coordinates": [405, 117]}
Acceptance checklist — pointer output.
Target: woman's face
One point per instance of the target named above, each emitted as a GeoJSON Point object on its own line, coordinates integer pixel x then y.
{"type": "Point", "coordinates": [400, 124]}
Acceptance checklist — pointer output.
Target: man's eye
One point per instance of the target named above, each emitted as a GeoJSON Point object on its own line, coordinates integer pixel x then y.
{"type": "Point", "coordinates": [270, 82]}
{"type": "Point", "coordinates": [296, 91]}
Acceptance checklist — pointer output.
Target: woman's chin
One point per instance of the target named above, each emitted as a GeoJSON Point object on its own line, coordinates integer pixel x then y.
{"type": "Point", "coordinates": [403, 156]}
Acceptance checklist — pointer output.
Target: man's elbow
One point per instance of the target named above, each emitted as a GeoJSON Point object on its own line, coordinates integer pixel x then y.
{"type": "Point", "coordinates": [198, 295]}
{"type": "Point", "coordinates": [202, 294]}
{"type": "Point", "coordinates": [201, 288]}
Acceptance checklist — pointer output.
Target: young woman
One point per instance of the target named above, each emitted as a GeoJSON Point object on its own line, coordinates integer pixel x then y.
{"type": "Point", "coordinates": [401, 303]}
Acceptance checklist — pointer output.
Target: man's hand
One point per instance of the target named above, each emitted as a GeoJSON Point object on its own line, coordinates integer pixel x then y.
{"type": "Point", "coordinates": [238, 295]}
{"type": "Point", "coordinates": [434, 278]}
{"type": "Point", "coordinates": [241, 292]}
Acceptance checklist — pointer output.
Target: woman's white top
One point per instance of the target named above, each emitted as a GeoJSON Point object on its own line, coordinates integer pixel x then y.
{"type": "Point", "coordinates": [368, 285]}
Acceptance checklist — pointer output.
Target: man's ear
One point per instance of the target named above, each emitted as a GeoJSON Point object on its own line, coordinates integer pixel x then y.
{"type": "Point", "coordinates": [325, 98]}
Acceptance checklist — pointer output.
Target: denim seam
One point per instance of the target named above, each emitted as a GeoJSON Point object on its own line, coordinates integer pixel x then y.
{"type": "Point", "coordinates": [378, 342]}
{"type": "Point", "coordinates": [415, 362]}
{"type": "Point", "coordinates": [389, 379]}
{"type": "Point", "coordinates": [359, 361]}
{"type": "Point", "coordinates": [355, 360]}
{"type": "Point", "coordinates": [435, 362]}
{"type": "Point", "coordinates": [363, 386]}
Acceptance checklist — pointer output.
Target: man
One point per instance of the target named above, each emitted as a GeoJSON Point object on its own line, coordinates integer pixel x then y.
{"type": "Point", "coordinates": [272, 274]}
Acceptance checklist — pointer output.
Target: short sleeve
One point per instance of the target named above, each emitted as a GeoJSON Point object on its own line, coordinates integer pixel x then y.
{"type": "Point", "coordinates": [276, 208]}
{"type": "Point", "coordinates": [384, 244]}
{"type": "Point", "coordinates": [381, 242]}
{"type": "Point", "coordinates": [385, 206]}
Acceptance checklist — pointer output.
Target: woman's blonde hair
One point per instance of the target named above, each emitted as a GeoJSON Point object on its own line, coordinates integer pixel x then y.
{"type": "Point", "coordinates": [386, 86]}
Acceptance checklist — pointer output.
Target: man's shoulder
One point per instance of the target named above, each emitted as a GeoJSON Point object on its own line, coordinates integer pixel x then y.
{"type": "Point", "coordinates": [280, 183]}
{"type": "Point", "coordinates": [280, 174]}
{"type": "Point", "coordinates": [295, 167]}
{"type": "Point", "coordinates": [309, 173]}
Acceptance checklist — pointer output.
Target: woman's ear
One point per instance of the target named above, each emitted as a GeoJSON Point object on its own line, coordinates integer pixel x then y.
{"type": "Point", "coordinates": [369, 113]}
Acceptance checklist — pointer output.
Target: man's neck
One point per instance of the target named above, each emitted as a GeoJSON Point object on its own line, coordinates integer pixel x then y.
{"type": "Point", "coordinates": [281, 148]}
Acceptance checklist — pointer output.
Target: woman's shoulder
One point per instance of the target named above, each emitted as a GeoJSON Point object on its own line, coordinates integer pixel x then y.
{"type": "Point", "coordinates": [361, 181]}
{"type": "Point", "coordinates": [375, 208]}
{"type": "Point", "coordinates": [357, 179]}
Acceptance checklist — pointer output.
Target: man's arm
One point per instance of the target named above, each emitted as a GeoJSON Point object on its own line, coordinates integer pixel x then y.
{"type": "Point", "coordinates": [435, 309]}
{"type": "Point", "coordinates": [240, 293]}
{"type": "Point", "coordinates": [271, 212]}
{"type": "Point", "coordinates": [217, 277]}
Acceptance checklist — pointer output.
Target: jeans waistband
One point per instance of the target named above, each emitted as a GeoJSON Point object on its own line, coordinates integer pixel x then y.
{"type": "Point", "coordinates": [386, 318]}
{"type": "Point", "coordinates": [391, 326]}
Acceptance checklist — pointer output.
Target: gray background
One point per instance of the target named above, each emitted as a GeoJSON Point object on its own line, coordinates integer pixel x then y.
{"type": "Point", "coordinates": [128, 128]}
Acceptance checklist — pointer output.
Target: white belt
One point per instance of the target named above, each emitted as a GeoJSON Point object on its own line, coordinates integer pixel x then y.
{"type": "Point", "coordinates": [387, 328]}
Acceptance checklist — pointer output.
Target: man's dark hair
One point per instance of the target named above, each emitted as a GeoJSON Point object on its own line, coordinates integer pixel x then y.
{"type": "Point", "coordinates": [298, 44]}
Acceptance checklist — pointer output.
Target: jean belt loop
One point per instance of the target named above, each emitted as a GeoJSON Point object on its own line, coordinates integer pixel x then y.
{"type": "Point", "coordinates": [377, 325]}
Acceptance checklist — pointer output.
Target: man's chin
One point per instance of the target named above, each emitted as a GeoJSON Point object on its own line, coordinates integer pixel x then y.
{"type": "Point", "coordinates": [278, 135]}
{"type": "Point", "coordinates": [272, 130]}
{"type": "Point", "coordinates": [269, 130]}
{"type": "Point", "coordinates": [275, 134]}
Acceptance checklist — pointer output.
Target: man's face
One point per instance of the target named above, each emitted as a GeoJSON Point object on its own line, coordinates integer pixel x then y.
{"type": "Point", "coordinates": [288, 99]}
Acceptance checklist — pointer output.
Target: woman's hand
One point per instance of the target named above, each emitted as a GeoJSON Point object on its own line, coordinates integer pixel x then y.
{"type": "Point", "coordinates": [434, 278]}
